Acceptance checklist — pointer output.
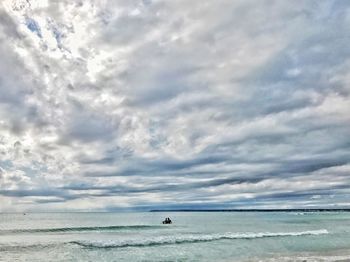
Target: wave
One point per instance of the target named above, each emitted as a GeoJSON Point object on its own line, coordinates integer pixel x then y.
{"type": "Point", "coordinates": [193, 239]}
{"type": "Point", "coordinates": [16, 247]}
{"type": "Point", "coordinates": [303, 258]}
{"type": "Point", "coordinates": [79, 229]}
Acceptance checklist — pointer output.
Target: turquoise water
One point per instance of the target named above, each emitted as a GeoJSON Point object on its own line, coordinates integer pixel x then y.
{"type": "Point", "coordinates": [212, 236]}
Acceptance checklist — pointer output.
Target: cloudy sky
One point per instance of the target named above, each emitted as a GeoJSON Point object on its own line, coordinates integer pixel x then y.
{"type": "Point", "coordinates": [110, 105]}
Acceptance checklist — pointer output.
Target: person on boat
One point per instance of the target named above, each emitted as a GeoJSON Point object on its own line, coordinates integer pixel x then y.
{"type": "Point", "coordinates": [167, 221]}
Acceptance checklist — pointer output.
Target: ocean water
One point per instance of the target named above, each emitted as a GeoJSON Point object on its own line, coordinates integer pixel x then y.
{"type": "Point", "coordinates": [193, 236]}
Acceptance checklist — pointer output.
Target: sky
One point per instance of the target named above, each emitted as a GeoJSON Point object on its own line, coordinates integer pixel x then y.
{"type": "Point", "coordinates": [112, 105]}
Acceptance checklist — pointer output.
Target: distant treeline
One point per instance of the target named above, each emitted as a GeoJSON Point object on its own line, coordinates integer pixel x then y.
{"type": "Point", "coordinates": [252, 210]}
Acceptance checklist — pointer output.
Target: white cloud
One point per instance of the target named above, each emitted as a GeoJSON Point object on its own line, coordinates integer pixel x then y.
{"type": "Point", "coordinates": [115, 104]}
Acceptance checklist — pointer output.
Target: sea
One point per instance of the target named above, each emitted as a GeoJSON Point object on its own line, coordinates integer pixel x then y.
{"type": "Point", "coordinates": [193, 236]}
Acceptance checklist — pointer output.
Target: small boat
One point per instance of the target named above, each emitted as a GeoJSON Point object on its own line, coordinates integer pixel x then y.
{"type": "Point", "coordinates": [167, 221]}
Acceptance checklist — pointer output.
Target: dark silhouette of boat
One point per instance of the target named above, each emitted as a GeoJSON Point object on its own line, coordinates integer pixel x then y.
{"type": "Point", "coordinates": [167, 221]}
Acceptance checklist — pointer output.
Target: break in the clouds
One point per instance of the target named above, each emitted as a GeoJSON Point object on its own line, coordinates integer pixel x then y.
{"type": "Point", "coordinates": [110, 105]}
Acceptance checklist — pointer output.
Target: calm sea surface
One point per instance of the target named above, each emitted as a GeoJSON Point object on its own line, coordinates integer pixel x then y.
{"type": "Point", "coordinates": [194, 236]}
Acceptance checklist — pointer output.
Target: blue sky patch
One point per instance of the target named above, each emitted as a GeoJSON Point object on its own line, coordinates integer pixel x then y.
{"type": "Point", "coordinates": [33, 26]}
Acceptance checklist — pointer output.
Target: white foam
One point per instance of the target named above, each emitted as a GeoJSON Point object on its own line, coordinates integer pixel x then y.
{"type": "Point", "coordinates": [307, 258]}
{"type": "Point", "coordinates": [194, 238]}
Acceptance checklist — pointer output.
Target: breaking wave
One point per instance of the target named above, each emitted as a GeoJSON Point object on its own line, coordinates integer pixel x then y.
{"type": "Point", "coordinates": [80, 229]}
{"type": "Point", "coordinates": [192, 239]}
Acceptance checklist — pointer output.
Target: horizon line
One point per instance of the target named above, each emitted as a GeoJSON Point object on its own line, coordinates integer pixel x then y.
{"type": "Point", "coordinates": [255, 210]}
{"type": "Point", "coordinates": [191, 210]}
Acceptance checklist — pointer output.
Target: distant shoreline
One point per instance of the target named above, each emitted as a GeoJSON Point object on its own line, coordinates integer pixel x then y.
{"type": "Point", "coordinates": [187, 210]}
{"type": "Point", "coordinates": [252, 210]}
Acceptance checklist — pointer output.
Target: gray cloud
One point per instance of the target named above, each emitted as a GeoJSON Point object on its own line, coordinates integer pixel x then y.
{"type": "Point", "coordinates": [151, 104]}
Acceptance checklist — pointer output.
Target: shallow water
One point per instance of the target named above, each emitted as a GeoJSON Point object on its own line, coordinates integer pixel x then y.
{"type": "Point", "coordinates": [212, 236]}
